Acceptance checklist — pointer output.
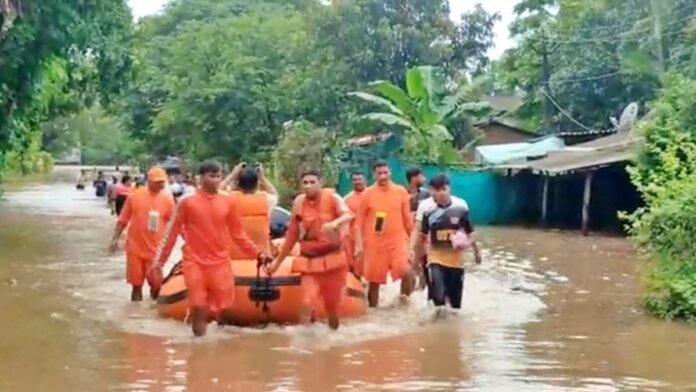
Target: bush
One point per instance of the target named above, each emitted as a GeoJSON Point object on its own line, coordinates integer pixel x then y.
{"type": "Point", "coordinates": [665, 230]}
{"type": "Point", "coordinates": [28, 160]}
{"type": "Point", "coordinates": [303, 146]}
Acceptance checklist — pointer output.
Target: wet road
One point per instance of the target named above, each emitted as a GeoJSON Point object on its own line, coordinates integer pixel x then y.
{"type": "Point", "coordinates": [547, 311]}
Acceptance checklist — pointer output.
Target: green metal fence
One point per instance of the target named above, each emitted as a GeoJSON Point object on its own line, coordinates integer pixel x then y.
{"type": "Point", "coordinates": [493, 198]}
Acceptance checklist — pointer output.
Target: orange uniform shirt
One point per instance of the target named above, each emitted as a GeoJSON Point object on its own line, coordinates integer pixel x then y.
{"type": "Point", "coordinates": [311, 211]}
{"type": "Point", "coordinates": [209, 224]}
{"type": "Point", "coordinates": [353, 200]}
{"type": "Point", "coordinates": [141, 241]}
{"type": "Point", "coordinates": [390, 205]}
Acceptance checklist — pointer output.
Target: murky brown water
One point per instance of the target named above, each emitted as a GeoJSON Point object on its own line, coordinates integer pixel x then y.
{"type": "Point", "coordinates": [547, 311]}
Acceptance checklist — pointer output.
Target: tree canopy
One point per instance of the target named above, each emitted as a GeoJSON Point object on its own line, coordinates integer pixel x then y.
{"type": "Point", "coordinates": [220, 78]}
{"type": "Point", "coordinates": [579, 62]}
{"type": "Point", "coordinates": [55, 57]}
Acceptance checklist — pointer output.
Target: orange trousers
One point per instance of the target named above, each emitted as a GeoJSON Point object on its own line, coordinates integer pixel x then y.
{"type": "Point", "coordinates": [209, 286]}
{"type": "Point", "coordinates": [324, 288]}
{"type": "Point", "coordinates": [138, 270]}
{"type": "Point", "coordinates": [382, 259]}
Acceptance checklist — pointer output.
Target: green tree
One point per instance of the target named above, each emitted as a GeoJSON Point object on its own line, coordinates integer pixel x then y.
{"type": "Point", "coordinates": [665, 229]}
{"type": "Point", "coordinates": [220, 77]}
{"type": "Point", "coordinates": [98, 135]}
{"type": "Point", "coordinates": [423, 111]}
{"type": "Point", "coordinates": [580, 62]}
{"type": "Point", "coordinates": [89, 43]}
{"type": "Point", "coordinates": [225, 87]}
{"type": "Point", "coordinates": [304, 146]}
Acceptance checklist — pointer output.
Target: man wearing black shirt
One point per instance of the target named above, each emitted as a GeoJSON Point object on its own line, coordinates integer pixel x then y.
{"type": "Point", "coordinates": [444, 218]}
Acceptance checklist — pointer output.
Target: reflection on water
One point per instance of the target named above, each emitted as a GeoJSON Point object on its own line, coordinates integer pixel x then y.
{"type": "Point", "coordinates": [546, 311]}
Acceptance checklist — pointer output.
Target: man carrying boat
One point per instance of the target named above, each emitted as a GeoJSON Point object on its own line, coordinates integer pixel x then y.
{"type": "Point", "coordinates": [146, 215]}
{"type": "Point", "coordinates": [318, 222]}
{"type": "Point", "coordinates": [210, 222]}
{"type": "Point", "coordinates": [445, 223]}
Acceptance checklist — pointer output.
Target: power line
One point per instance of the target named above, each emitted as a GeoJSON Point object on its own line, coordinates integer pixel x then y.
{"type": "Point", "coordinates": [641, 16]}
{"type": "Point", "coordinates": [625, 36]}
{"type": "Point", "coordinates": [564, 112]}
{"type": "Point", "coordinates": [589, 78]}
{"type": "Point", "coordinates": [612, 74]}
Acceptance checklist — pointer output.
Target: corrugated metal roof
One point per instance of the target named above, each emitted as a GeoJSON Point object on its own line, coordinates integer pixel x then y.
{"type": "Point", "coordinates": [596, 132]}
{"type": "Point", "coordinates": [620, 147]}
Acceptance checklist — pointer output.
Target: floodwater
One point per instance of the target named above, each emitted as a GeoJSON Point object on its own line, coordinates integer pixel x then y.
{"type": "Point", "coordinates": [546, 311]}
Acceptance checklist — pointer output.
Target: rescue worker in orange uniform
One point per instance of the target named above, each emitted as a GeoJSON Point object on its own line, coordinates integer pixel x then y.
{"type": "Point", "coordinates": [319, 222]}
{"type": "Point", "coordinates": [353, 201]}
{"type": "Point", "coordinates": [146, 214]}
{"type": "Point", "coordinates": [385, 223]}
{"type": "Point", "coordinates": [209, 222]}
{"type": "Point", "coordinates": [255, 198]}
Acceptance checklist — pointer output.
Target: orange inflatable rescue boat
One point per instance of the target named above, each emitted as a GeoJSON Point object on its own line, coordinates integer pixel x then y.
{"type": "Point", "coordinates": [258, 298]}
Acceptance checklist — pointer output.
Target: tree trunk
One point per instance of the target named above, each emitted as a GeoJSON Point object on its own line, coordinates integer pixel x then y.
{"type": "Point", "coordinates": [545, 78]}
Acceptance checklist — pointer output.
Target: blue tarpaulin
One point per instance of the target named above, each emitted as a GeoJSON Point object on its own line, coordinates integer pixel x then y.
{"type": "Point", "coordinates": [503, 153]}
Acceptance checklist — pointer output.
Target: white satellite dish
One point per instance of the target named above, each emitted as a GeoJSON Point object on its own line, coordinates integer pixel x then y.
{"type": "Point", "coordinates": [627, 119]}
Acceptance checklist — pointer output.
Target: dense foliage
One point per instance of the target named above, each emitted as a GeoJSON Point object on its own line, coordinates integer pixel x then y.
{"type": "Point", "coordinates": [423, 113]}
{"type": "Point", "coordinates": [581, 61]}
{"type": "Point", "coordinates": [220, 78]}
{"type": "Point", "coordinates": [55, 57]}
{"type": "Point", "coordinates": [98, 135]}
{"type": "Point", "coordinates": [303, 146]}
{"type": "Point", "coordinates": [666, 176]}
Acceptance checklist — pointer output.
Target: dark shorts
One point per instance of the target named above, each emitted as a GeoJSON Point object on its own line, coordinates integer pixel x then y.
{"type": "Point", "coordinates": [100, 190]}
{"type": "Point", "coordinates": [119, 203]}
{"type": "Point", "coordinates": [445, 283]}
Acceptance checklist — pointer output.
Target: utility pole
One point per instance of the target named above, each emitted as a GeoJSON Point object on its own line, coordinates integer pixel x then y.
{"type": "Point", "coordinates": [545, 78]}
{"type": "Point", "coordinates": [656, 9]}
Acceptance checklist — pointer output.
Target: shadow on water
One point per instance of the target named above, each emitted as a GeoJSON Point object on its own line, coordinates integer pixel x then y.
{"type": "Point", "coordinates": [546, 311]}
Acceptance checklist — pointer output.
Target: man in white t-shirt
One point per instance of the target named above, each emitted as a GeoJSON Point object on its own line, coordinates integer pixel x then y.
{"type": "Point", "coordinates": [419, 253]}
{"type": "Point", "coordinates": [443, 222]}
{"type": "Point", "coordinates": [175, 187]}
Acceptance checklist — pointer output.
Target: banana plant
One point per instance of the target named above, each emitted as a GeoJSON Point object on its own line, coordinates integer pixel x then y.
{"type": "Point", "coordinates": [422, 112]}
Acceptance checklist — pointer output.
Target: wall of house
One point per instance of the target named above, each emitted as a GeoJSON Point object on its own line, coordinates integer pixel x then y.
{"type": "Point", "coordinates": [500, 134]}
{"type": "Point", "coordinates": [496, 134]}
{"type": "Point", "coordinates": [612, 192]}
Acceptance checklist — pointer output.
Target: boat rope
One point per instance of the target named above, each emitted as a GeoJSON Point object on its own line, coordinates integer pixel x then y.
{"type": "Point", "coordinates": [264, 306]}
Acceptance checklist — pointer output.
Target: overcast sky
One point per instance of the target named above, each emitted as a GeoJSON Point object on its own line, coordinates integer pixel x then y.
{"type": "Point", "coordinates": [504, 7]}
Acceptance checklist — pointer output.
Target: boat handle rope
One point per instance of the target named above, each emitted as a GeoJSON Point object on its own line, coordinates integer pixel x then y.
{"type": "Point", "coordinates": [264, 307]}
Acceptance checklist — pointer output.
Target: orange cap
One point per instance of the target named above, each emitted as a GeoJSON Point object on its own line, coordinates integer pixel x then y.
{"type": "Point", "coordinates": [156, 174]}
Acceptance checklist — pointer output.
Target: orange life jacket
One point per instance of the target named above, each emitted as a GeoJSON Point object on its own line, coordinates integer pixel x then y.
{"type": "Point", "coordinates": [319, 251]}
{"type": "Point", "coordinates": [254, 214]}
